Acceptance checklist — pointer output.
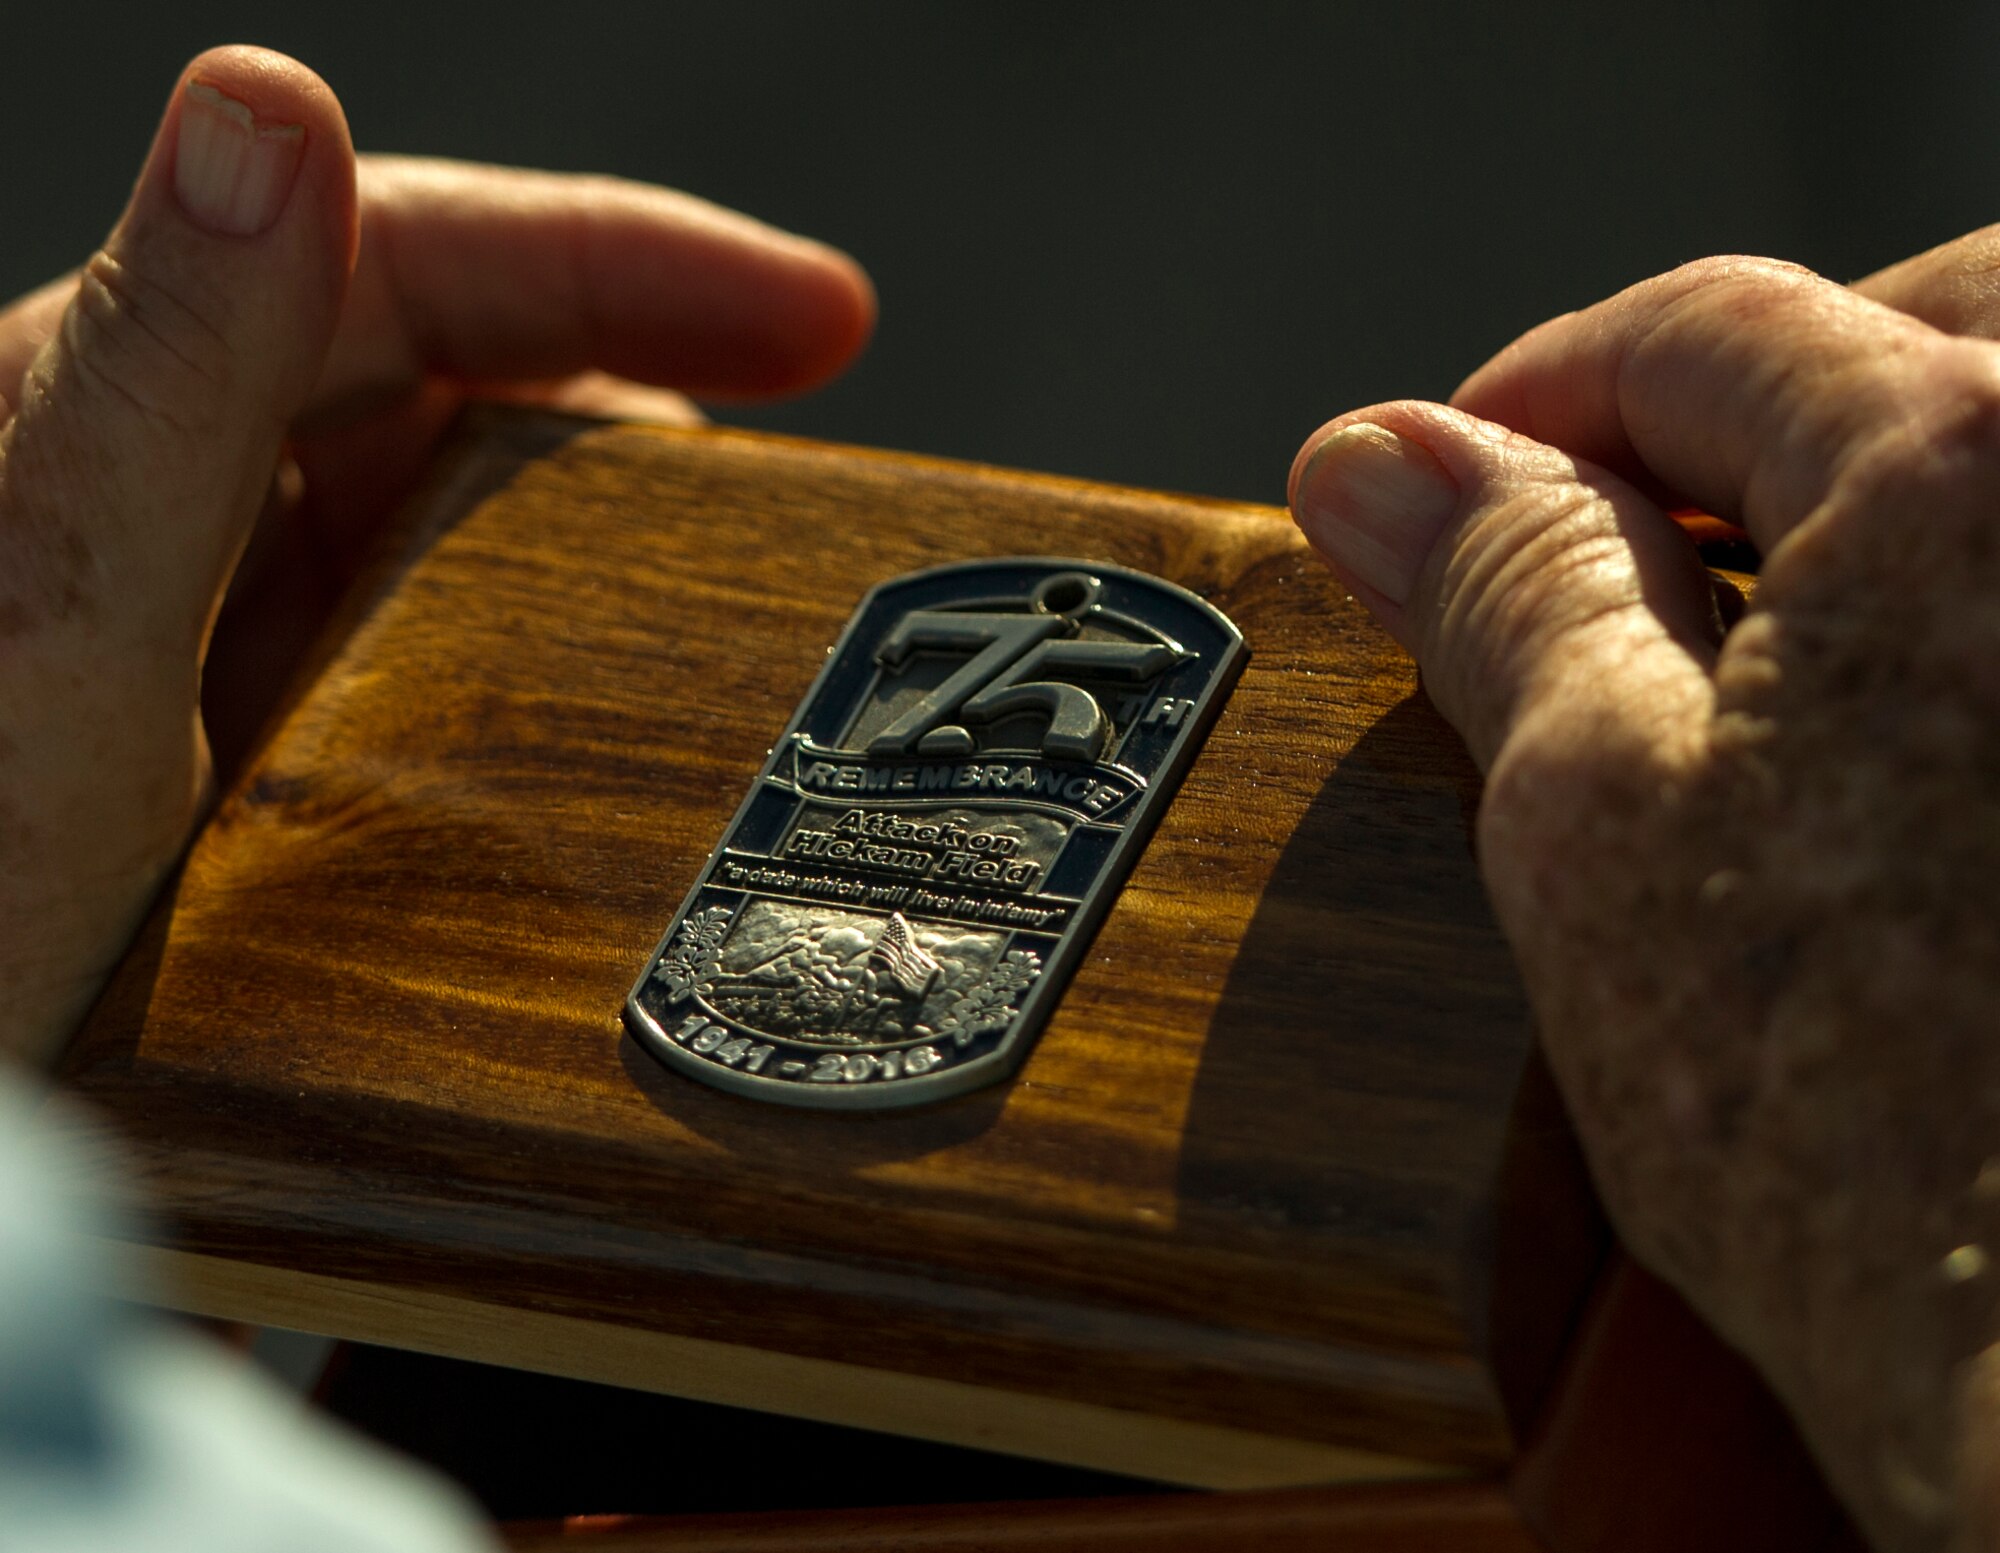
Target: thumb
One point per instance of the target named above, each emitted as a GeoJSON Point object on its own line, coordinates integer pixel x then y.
{"type": "Point", "coordinates": [146, 434]}
{"type": "Point", "coordinates": [1533, 589]}
{"type": "Point", "coordinates": [1566, 627]}
{"type": "Point", "coordinates": [151, 422]}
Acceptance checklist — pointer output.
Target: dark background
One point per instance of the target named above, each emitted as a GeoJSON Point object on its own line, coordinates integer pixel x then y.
{"type": "Point", "coordinates": [1147, 243]}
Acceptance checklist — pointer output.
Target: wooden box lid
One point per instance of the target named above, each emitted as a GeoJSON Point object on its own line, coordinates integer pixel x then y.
{"type": "Point", "coordinates": [1266, 1205]}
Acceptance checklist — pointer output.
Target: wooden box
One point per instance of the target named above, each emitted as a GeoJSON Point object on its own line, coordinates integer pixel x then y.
{"type": "Point", "coordinates": [1280, 1197]}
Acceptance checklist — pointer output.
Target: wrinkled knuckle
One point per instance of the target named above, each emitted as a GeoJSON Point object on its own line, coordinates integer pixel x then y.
{"type": "Point", "coordinates": [1541, 563]}
{"type": "Point", "coordinates": [164, 351]}
{"type": "Point", "coordinates": [1739, 268]}
{"type": "Point", "coordinates": [1743, 278]}
{"type": "Point", "coordinates": [1741, 290]}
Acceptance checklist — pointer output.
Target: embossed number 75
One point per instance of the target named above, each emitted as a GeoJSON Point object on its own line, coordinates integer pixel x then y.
{"type": "Point", "coordinates": [1008, 652]}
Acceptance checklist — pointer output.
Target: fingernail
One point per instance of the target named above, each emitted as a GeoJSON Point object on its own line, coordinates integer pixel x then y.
{"type": "Point", "coordinates": [1374, 503]}
{"type": "Point", "coordinates": [231, 173]}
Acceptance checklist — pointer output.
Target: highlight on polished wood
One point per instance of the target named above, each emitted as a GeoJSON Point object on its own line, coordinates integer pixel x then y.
{"type": "Point", "coordinates": [1279, 1197]}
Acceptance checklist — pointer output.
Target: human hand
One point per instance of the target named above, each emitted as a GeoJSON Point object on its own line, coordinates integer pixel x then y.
{"type": "Point", "coordinates": [1753, 879]}
{"type": "Point", "coordinates": [227, 330]}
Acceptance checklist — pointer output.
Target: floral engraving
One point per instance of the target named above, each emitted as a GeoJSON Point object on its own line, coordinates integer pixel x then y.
{"type": "Point", "coordinates": [693, 959]}
{"type": "Point", "coordinates": [989, 1003]}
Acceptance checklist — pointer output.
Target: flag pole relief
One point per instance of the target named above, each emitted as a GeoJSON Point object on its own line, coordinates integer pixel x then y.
{"type": "Point", "coordinates": [892, 914]}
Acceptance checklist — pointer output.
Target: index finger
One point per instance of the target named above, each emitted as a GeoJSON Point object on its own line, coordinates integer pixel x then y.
{"type": "Point", "coordinates": [1743, 386]}
{"type": "Point", "coordinates": [484, 273]}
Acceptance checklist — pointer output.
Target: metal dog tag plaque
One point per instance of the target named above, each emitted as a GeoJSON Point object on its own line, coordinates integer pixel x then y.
{"type": "Point", "coordinates": [898, 904]}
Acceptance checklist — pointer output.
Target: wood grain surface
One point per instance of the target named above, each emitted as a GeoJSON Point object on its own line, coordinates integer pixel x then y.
{"type": "Point", "coordinates": [1280, 1164]}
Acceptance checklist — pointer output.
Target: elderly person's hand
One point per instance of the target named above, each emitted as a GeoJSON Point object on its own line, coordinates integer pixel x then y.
{"type": "Point", "coordinates": [1753, 877]}
{"type": "Point", "coordinates": [264, 308]}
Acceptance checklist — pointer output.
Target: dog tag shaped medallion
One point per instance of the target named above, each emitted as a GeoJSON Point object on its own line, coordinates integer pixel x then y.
{"type": "Point", "coordinates": [898, 904]}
